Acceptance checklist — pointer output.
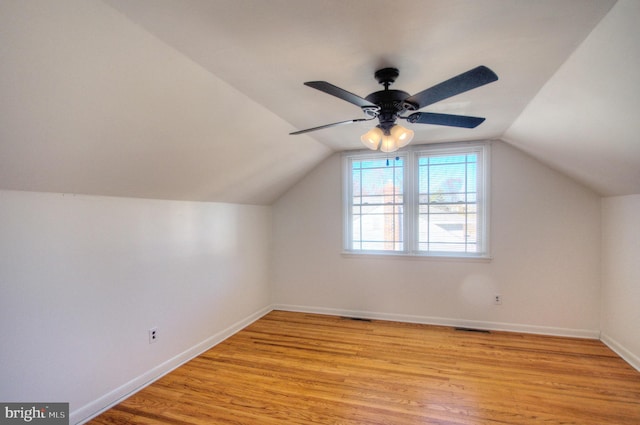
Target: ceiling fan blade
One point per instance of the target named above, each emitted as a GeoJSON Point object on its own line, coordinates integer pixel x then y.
{"type": "Point", "coordinates": [336, 91]}
{"type": "Point", "coordinates": [466, 81]}
{"type": "Point", "coordinates": [445, 119]}
{"type": "Point", "coordinates": [329, 125]}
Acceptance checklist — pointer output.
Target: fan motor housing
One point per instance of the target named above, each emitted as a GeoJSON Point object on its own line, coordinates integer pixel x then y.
{"type": "Point", "coordinates": [391, 103]}
{"type": "Point", "coordinates": [387, 98]}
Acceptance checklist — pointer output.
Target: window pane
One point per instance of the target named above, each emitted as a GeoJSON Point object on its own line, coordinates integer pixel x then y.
{"type": "Point", "coordinates": [447, 208]}
{"type": "Point", "coordinates": [445, 179]}
{"type": "Point", "coordinates": [378, 223]}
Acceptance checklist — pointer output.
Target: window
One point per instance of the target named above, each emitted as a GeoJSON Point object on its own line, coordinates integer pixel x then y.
{"type": "Point", "coordinates": [428, 200]}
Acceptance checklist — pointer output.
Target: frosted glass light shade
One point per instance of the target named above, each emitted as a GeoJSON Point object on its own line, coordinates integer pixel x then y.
{"type": "Point", "coordinates": [402, 135]}
{"type": "Point", "coordinates": [371, 138]}
{"type": "Point", "coordinates": [397, 138]}
{"type": "Point", "coordinates": [389, 144]}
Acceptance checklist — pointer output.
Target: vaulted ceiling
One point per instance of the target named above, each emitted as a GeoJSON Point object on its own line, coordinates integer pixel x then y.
{"type": "Point", "coordinates": [194, 99]}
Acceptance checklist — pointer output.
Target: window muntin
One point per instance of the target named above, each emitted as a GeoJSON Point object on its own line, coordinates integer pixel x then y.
{"type": "Point", "coordinates": [428, 200]}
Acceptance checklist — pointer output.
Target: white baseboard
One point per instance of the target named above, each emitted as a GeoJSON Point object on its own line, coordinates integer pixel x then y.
{"type": "Point", "coordinates": [442, 321]}
{"type": "Point", "coordinates": [96, 407]}
{"type": "Point", "coordinates": [620, 350]}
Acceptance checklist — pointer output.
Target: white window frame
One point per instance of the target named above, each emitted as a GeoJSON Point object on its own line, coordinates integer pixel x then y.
{"type": "Point", "coordinates": [410, 235]}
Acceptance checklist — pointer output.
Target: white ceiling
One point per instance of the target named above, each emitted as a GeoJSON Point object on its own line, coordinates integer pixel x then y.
{"type": "Point", "coordinates": [194, 99]}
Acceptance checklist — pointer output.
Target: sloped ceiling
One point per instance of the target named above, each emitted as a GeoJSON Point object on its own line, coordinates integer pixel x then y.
{"type": "Point", "coordinates": [194, 99]}
{"type": "Point", "coordinates": [585, 121]}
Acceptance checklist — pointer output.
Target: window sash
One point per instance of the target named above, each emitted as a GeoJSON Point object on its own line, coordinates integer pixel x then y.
{"type": "Point", "coordinates": [430, 201]}
{"type": "Point", "coordinates": [377, 209]}
{"type": "Point", "coordinates": [447, 204]}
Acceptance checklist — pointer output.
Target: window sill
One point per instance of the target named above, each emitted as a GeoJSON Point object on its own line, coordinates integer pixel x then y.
{"type": "Point", "coordinates": [408, 256]}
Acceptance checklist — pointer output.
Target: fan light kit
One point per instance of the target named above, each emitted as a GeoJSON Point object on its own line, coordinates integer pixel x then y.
{"type": "Point", "coordinates": [390, 105]}
{"type": "Point", "coordinates": [397, 138]}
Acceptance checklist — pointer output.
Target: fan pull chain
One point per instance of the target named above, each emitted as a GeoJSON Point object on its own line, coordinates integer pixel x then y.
{"type": "Point", "coordinates": [397, 158]}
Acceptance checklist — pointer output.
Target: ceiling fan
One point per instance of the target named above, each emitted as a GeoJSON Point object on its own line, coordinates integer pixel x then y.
{"type": "Point", "coordinates": [390, 105]}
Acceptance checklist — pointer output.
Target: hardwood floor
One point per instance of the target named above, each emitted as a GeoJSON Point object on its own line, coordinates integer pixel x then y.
{"type": "Point", "coordinates": [295, 368]}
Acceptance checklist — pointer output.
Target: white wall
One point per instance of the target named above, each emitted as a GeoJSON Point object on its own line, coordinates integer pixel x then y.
{"type": "Point", "coordinates": [545, 237]}
{"type": "Point", "coordinates": [621, 276]}
{"type": "Point", "coordinates": [82, 279]}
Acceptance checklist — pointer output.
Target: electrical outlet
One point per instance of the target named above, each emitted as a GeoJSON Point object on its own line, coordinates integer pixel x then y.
{"type": "Point", "coordinates": [497, 300]}
{"type": "Point", "coordinates": [153, 335]}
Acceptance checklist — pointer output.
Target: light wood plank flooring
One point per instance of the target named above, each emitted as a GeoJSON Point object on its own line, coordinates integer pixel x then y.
{"type": "Point", "coordinates": [295, 368]}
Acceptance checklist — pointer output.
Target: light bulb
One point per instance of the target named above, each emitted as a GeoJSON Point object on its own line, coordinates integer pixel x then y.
{"type": "Point", "coordinates": [371, 138]}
